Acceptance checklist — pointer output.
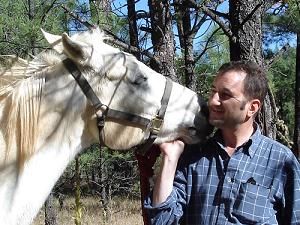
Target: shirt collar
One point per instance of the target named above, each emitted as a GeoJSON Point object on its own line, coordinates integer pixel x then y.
{"type": "Point", "coordinates": [255, 137]}
{"type": "Point", "coordinates": [248, 146]}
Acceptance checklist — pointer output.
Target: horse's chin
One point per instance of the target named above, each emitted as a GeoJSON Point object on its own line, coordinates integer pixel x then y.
{"type": "Point", "coordinates": [188, 139]}
{"type": "Point", "coordinates": [195, 135]}
{"type": "Point", "coordinates": [189, 135]}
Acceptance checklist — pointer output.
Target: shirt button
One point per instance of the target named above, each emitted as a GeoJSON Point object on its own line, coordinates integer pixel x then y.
{"type": "Point", "coordinates": [229, 180]}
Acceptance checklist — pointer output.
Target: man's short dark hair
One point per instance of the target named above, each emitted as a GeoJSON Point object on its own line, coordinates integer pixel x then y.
{"type": "Point", "coordinates": [255, 83]}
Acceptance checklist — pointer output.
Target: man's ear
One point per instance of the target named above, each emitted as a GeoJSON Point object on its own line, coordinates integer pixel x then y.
{"type": "Point", "coordinates": [254, 106]}
{"type": "Point", "coordinates": [54, 41]}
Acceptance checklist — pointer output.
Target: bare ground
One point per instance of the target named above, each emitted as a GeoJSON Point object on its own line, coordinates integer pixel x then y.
{"type": "Point", "coordinates": [123, 212]}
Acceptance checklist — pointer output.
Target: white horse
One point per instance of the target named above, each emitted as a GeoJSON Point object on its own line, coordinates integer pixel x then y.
{"type": "Point", "coordinates": [46, 119]}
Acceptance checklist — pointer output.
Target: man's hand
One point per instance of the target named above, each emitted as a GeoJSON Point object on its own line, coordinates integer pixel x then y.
{"type": "Point", "coordinates": [164, 181]}
{"type": "Point", "coordinates": [172, 150]}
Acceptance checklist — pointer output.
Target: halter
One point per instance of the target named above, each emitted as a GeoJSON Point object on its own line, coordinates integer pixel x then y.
{"type": "Point", "coordinates": [102, 111]}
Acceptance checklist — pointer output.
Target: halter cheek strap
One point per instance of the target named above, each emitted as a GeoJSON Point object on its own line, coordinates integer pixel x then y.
{"type": "Point", "coordinates": [157, 121]}
{"type": "Point", "coordinates": [102, 111]}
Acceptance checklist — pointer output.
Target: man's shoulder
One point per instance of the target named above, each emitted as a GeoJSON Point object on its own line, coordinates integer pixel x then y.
{"type": "Point", "coordinates": [199, 149]}
{"type": "Point", "coordinates": [271, 142]}
{"type": "Point", "coordinates": [197, 154]}
{"type": "Point", "coordinates": [274, 146]}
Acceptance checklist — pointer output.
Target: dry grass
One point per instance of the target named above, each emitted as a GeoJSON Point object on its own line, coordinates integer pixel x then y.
{"type": "Point", "coordinates": [123, 211]}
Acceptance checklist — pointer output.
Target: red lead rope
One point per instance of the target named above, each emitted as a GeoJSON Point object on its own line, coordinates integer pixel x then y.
{"type": "Point", "coordinates": [146, 163]}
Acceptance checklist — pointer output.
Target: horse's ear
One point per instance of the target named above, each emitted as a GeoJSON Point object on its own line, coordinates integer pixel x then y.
{"type": "Point", "coordinates": [54, 41]}
{"type": "Point", "coordinates": [75, 49]}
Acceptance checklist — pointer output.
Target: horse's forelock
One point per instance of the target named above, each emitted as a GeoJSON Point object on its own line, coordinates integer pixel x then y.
{"type": "Point", "coordinates": [91, 37]}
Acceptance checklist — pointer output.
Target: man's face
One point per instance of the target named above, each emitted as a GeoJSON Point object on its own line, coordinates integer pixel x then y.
{"type": "Point", "coordinates": [227, 104]}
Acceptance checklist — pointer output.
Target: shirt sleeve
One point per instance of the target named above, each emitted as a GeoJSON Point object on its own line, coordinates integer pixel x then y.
{"type": "Point", "coordinates": [170, 211]}
{"type": "Point", "coordinates": [291, 211]}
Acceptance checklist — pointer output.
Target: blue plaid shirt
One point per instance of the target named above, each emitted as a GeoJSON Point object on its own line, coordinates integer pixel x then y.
{"type": "Point", "coordinates": [258, 184]}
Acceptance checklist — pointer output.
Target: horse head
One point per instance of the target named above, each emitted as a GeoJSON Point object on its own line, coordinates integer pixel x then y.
{"type": "Point", "coordinates": [125, 84]}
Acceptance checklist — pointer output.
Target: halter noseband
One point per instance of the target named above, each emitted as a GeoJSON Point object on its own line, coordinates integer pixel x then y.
{"type": "Point", "coordinates": [102, 111]}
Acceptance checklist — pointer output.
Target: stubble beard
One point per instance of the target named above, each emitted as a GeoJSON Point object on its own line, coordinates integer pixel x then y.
{"type": "Point", "coordinates": [219, 123]}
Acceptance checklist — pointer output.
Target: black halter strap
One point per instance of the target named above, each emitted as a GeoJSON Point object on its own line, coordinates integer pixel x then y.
{"type": "Point", "coordinates": [102, 111]}
{"type": "Point", "coordinates": [157, 121]}
{"type": "Point", "coordinates": [83, 83]}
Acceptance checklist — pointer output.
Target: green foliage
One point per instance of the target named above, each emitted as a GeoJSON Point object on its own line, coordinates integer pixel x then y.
{"type": "Point", "coordinates": [20, 35]}
{"type": "Point", "coordinates": [216, 54]}
{"type": "Point", "coordinates": [282, 81]}
{"type": "Point", "coordinates": [281, 23]}
{"type": "Point", "coordinates": [293, 16]}
{"type": "Point", "coordinates": [120, 172]}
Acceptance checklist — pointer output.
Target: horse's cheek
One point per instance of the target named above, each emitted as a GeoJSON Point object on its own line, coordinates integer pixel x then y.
{"type": "Point", "coordinates": [120, 137]}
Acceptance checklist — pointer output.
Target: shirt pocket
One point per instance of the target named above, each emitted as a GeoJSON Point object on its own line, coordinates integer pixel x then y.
{"type": "Point", "coordinates": [252, 204]}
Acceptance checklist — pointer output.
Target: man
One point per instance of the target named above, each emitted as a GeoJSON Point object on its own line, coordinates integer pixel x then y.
{"type": "Point", "coordinates": [238, 176]}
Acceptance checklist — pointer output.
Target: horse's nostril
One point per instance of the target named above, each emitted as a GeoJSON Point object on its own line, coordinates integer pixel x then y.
{"type": "Point", "coordinates": [192, 131]}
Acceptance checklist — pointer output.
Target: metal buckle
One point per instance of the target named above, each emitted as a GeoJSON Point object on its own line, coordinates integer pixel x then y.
{"type": "Point", "coordinates": [101, 110]}
{"type": "Point", "coordinates": [156, 124]}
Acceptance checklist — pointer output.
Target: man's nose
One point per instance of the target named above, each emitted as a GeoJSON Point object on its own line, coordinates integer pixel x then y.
{"type": "Point", "coordinates": [214, 99]}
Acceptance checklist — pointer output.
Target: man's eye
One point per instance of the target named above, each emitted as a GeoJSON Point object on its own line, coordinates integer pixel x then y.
{"type": "Point", "coordinates": [225, 95]}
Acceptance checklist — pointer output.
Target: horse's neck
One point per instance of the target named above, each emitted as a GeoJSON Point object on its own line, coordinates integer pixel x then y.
{"type": "Point", "coordinates": [64, 112]}
{"type": "Point", "coordinates": [62, 133]}
{"type": "Point", "coordinates": [23, 195]}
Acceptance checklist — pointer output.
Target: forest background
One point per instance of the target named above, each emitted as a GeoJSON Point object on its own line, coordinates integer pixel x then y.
{"type": "Point", "coordinates": [186, 40]}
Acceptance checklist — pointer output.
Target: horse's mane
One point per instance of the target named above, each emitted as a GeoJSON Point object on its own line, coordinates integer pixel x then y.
{"type": "Point", "coordinates": [21, 86]}
{"type": "Point", "coordinates": [16, 70]}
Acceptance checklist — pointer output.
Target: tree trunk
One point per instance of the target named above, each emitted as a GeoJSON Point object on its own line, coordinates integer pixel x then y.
{"type": "Point", "coordinates": [189, 69]}
{"type": "Point", "coordinates": [246, 25]}
{"type": "Point", "coordinates": [296, 147]}
{"type": "Point", "coordinates": [104, 198]}
{"type": "Point", "coordinates": [78, 209]}
{"type": "Point", "coordinates": [162, 38]}
{"type": "Point", "coordinates": [186, 37]}
{"type": "Point", "coordinates": [31, 15]}
{"type": "Point", "coordinates": [50, 211]}
{"type": "Point", "coordinates": [246, 21]}
{"type": "Point", "coordinates": [133, 26]}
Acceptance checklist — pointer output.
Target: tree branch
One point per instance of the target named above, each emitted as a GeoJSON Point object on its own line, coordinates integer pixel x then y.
{"type": "Point", "coordinates": [284, 49]}
{"type": "Point", "coordinates": [214, 17]}
{"type": "Point", "coordinates": [78, 18]}
{"type": "Point", "coordinates": [197, 26]}
{"type": "Point", "coordinates": [220, 14]}
{"type": "Point", "coordinates": [25, 46]}
{"type": "Point", "coordinates": [129, 48]}
{"type": "Point", "coordinates": [47, 11]}
{"type": "Point", "coordinates": [206, 45]}
{"type": "Point", "coordinates": [142, 14]}
{"type": "Point", "coordinates": [115, 40]}
{"type": "Point", "coordinates": [267, 4]}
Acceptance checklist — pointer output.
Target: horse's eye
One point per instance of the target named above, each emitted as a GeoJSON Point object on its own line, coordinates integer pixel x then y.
{"type": "Point", "coordinates": [139, 79]}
